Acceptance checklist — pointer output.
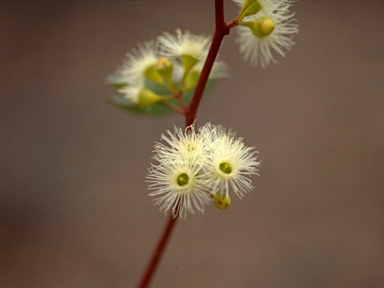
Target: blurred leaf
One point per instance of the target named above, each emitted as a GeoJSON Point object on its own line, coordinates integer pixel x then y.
{"type": "Point", "coordinates": [155, 109]}
{"type": "Point", "coordinates": [124, 103]}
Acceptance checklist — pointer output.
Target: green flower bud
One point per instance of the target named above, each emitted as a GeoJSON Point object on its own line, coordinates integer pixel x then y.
{"type": "Point", "coordinates": [246, 4]}
{"type": "Point", "coordinates": [191, 80]}
{"type": "Point", "coordinates": [188, 61]}
{"type": "Point", "coordinates": [249, 8]}
{"type": "Point", "coordinates": [152, 74]}
{"type": "Point", "coordinates": [147, 98]}
{"type": "Point", "coordinates": [261, 27]}
{"type": "Point", "coordinates": [164, 67]}
{"type": "Point", "coordinates": [222, 201]}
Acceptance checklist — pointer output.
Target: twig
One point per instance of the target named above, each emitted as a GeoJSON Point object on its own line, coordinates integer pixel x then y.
{"type": "Point", "coordinates": [221, 30]}
{"type": "Point", "coordinates": [149, 271]}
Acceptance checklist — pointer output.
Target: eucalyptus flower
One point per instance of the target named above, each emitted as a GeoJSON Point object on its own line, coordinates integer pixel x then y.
{"type": "Point", "coordinates": [188, 47]}
{"type": "Point", "coordinates": [177, 187]}
{"type": "Point", "coordinates": [140, 63]}
{"type": "Point", "coordinates": [195, 168]}
{"type": "Point", "coordinates": [230, 163]}
{"type": "Point", "coordinates": [176, 181]}
{"type": "Point", "coordinates": [182, 145]}
{"type": "Point", "coordinates": [267, 32]}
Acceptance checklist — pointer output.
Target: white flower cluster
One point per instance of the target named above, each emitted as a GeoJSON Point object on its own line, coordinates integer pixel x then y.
{"type": "Point", "coordinates": [194, 167]}
{"type": "Point", "coordinates": [265, 26]}
{"type": "Point", "coordinates": [167, 60]}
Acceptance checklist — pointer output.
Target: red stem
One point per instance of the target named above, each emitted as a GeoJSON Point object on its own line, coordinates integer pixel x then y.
{"type": "Point", "coordinates": [157, 253]}
{"type": "Point", "coordinates": [221, 30]}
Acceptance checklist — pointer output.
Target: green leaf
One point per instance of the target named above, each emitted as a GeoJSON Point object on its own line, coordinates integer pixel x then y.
{"type": "Point", "coordinates": [124, 103]}
{"type": "Point", "coordinates": [155, 109]}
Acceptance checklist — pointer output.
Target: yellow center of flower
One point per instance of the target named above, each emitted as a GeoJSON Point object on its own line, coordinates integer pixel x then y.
{"type": "Point", "coordinates": [191, 147]}
{"type": "Point", "coordinates": [182, 179]}
{"type": "Point", "coordinates": [225, 167]}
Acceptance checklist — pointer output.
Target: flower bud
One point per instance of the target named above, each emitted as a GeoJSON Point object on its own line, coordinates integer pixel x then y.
{"type": "Point", "coordinates": [191, 80]}
{"type": "Point", "coordinates": [246, 4]}
{"type": "Point", "coordinates": [188, 61]}
{"type": "Point", "coordinates": [222, 201]}
{"type": "Point", "coordinates": [262, 26]}
{"type": "Point", "coordinates": [152, 74]}
{"type": "Point", "coordinates": [147, 98]}
{"type": "Point", "coordinates": [249, 8]}
{"type": "Point", "coordinates": [164, 67]}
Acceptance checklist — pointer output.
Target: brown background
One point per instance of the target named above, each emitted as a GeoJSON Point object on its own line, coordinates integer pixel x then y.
{"type": "Point", "coordinates": [74, 210]}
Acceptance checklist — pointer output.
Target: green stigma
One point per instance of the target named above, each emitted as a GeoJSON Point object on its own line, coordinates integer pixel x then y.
{"type": "Point", "coordinates": [182, 179]}
{"type": "Point", "coordinates": [225, 167]}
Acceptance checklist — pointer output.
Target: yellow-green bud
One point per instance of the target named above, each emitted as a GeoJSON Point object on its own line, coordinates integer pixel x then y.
{"type": "Point", "coordinates": [164, 67]}
{"type": "Point", "coordinates": [246, 4]}
{"type": "Point", "coordinates": [147, 97]}
{"type": "Point", "coordinates": [191, 80]}
{"type": "Point", "coordinates": [249, 9]}
{"type": "Point", "coordinates": [222, 201]}
{"type": "Point", "coordinates": [262, 26]}
{"type": "Point", "coordinates": [188, 61]}
{"type": "Point", "coordinates": [152, 74]}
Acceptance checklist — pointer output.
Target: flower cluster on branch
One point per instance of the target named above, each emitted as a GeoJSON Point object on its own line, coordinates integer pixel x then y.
{"type": "Point", "coordinates": [194, 167]}
{"type": "Point", "coordinates": [162, 71]}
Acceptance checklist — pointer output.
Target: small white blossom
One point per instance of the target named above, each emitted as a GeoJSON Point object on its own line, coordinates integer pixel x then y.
{"type": "Point", "coordinates": [176, 180]}
{"type": "Point", "coordinates": [137, 62]}
{"type": "Point", "coordinates": [132, 93]}
{"type": "Point", "coordinates": [183, 44]}
{"type": "Point", "coordinates": [132, 72]}
{"type": "Point", "coordinates": [177, 187]}
{"type": "Point", "coordinates": [230, 163]}
{"type": "Point", "coordinates": [183, 145]}
{"type": "Point", "coordinates": [258, 48]}
{"type": "Point", "coordinates": [210, 133]}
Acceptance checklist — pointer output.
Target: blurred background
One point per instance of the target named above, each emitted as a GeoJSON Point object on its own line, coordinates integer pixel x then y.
{"type": "Point", "coordinates": [74, 210]}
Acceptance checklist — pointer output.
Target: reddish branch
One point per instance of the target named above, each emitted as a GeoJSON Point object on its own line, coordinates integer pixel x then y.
{"type": "Point", "coordinates": [157, 253]}
{"type": "Point", "coordinates": [221, 30]}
